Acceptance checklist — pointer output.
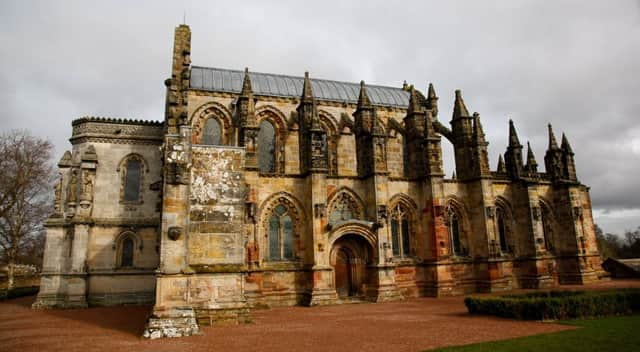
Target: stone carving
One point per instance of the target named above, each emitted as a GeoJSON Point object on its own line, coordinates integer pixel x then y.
{"type": "Point", "coordinates": [87, 186]}
{"type": "Point", "coordinates": [174, 233]}
{"type": "Point", "coordinates": [320, 210]}
{"type": "Point", "coordinates": [72, 188]}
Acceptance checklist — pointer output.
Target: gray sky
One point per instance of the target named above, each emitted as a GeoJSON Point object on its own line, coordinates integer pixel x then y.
{"type": "Point", "coordinates": [575, 64]}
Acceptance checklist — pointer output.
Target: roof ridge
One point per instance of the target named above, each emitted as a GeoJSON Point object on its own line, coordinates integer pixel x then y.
{"type": "Point", "coordinates": [126, 121]}
{"type": "Point", "coordinates": [298, 77]}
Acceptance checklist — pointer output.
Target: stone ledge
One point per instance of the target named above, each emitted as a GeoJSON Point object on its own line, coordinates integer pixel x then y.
{"type": "Point", "coordinates": [175, 322]}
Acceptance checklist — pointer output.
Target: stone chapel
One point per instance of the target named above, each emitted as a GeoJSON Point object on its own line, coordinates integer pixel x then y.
{"type": "Point", "coordinates": [262, 189]}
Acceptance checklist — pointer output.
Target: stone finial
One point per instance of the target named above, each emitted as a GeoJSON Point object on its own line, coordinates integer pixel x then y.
{"type": "Point", "coordinates": [513, 135]}
{"type": "Point", "coordinates": [307, 90]}
{"type": "Point", "coordinates": [405, 86]}
{"type": "Point", "coordinates": [502, 168]}
{"type": "Point", "coordinates": [552, 139]}
{"type": "Point", "coordinates": [565, 145]}
{"type": "Point", "coordinates": [453, 175]}
{"type": "Point", "coordinates": [363, 99]}
{"type": "Point", "coordinates": [459, 109]}
{"type": "Point", "coordinates": [532, 165]}
{"type": "Point", "coordinates": [414, 103]}
{"type": "Point", "coordinates": [65, 161]}
{"type": "Point", "coordinates": [431, 94]}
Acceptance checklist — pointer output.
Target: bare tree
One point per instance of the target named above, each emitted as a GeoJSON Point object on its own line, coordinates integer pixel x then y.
{"type": "Point", "coordinates": [25, 200]}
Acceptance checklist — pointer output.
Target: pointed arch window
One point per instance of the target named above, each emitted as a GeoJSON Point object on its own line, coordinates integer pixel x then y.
{"type": "Point", "coordinates": [132, 180]}
{"type": "Point", "coordinates": [267, 147]}
{"type": "Point", "coordinates": [400, 231]}
{"type": "Point", "coordinates": [212, 132]}
{"type": "Point", "coordinates": [454, 228]}
{"type": "Point", "coordinates": [280, 234]}
{"type": "Point", "coordinates": [125, 247]}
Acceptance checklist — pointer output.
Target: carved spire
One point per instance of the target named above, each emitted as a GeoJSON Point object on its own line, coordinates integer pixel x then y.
{"type": "Point", "coordinates": [565, 145]}
{"type": "Point", "coordinates": [553, 162]}
{"type": "Point", "coordinates": [513, 156]}
{"type": "Point", "coordinates": [307, 90]}
{"type": "Point", "coordinates": [432, 100]}
{"type": "Point", "coordinates": [513, 135]}
{"type": "Point", "coordinates": [501, 166]}
{"type": "Point", "coordinates": [459, 109]}
{"type": "Point", "coordinates": [414, 103]}
{"type": "Point", "coordinates": [246, 84]}
{"type": "Point", "coordinates": [552, 139]}
{"type": "Point", "coordinates": [363, 99]}
{"type": "Point", "coordinates": [532, 165]}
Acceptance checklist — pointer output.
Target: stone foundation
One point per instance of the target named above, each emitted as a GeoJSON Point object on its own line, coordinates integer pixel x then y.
{"type": "Point", "coordinates": [176, 322]}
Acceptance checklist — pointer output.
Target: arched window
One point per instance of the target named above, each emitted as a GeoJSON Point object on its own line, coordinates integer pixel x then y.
{"type": "Point", "coordinates": [502, 230]}
{"type": "Point", "coordinates": [400, 231]}
{"type": "Point", "coordinates": [132, 180]}
{"type": "Point", "coordinates": [211, 133]}
{"type": "Point", "coordinates": [267, 147]}
{"type": "Point", "coordinates": [126, 254]}
{"type": "Point", "coordinates": [454, 228]}
{"type": "Point", "coordinates": [280, 233]}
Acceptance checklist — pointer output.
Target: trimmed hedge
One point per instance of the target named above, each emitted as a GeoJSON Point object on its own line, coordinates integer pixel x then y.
{"type": "Point", "coordinates": [18, 292]}
{"type": "Point", "coordinates": [552, 305]}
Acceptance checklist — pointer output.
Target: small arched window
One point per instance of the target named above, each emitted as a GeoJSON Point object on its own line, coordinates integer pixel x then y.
{"type": "Point", "coordinates": [126, 253]}
{"type": "Point", "coordinates": [132, 180]}
{"type": "Point", "coordinates": [211, 133]}
{"type": "Point", "coordinates": [280, 233]}
{"type": "Point", "coordinates": [400, 231]}
{"type": "Point", "coordinates": [267, 147]}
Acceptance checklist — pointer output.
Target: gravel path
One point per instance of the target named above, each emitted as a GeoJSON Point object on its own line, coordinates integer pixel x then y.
{"type": "Point", "coordinates": [412, 325]}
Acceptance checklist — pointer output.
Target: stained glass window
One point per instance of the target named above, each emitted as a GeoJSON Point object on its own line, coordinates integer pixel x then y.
{"type": "Point", "coordinates": [502, 230]}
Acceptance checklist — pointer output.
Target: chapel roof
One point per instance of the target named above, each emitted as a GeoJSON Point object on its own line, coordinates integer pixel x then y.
{"type": "Point", "coordinates": [269, 84]}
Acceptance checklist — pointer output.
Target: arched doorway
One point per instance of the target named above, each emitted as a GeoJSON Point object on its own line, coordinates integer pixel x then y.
{"type": "Point", "coordinates": [350, 256]}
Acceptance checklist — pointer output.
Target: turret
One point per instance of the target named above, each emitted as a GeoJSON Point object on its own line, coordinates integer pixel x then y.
{"type": "Point", "coordinates": [415, 124]}
{"type": "Point", "coordinates": [370, 137]}
{"type": "Point", "coordinates": [462, 131]}
{"type": "Point", "coordinates": [513, 155]}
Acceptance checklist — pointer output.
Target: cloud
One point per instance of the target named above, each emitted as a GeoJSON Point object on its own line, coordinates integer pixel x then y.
{"type": "Point", "coordinates": [574, 64]}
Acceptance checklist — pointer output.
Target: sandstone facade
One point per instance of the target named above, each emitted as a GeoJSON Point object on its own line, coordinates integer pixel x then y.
{"type": "Point", "coordinates": [261, 190]}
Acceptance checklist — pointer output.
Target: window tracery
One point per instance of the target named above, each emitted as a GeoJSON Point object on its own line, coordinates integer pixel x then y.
{"type": "Point", "coordinates": [344, 207]}
{"type": "Point", "coordinates": [401, 231]}
{"type": "Point", "coordinates": [457, 237]}
{"type": "Point", "coordinates": [132, 169]}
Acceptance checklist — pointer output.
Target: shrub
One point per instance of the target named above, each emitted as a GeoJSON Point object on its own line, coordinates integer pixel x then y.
{"type": "Point", "coordinates": [557, 304]}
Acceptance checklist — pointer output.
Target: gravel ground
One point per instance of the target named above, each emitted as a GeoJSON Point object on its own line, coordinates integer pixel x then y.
{"type": "Point", "coordinates": [411, 325]}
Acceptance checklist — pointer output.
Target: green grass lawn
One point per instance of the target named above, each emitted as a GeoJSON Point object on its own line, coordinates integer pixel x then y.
{"type": "Point", "coordinates": [606, 334]}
